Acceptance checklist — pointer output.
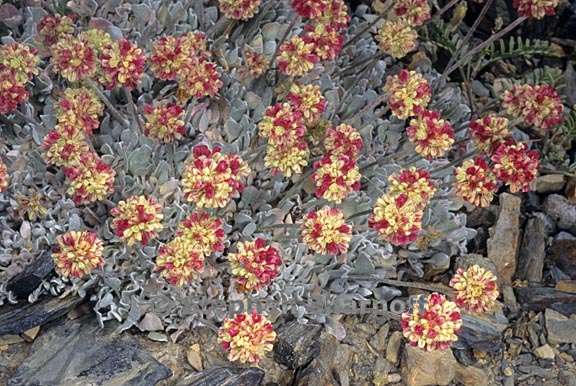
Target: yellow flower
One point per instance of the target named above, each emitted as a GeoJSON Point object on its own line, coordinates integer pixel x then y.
{"type": "Point", "coordinates": [476, 289]}
{"type": "Point", "coordinates": [325, 231]}
{"type": "Point", "coordinates": [475, 182]}
{"type": "Point", "coordinates": [247, 337]}
{"type": "Point", "coordinates": [432, 136]}
{"type": "Point", "coordinates": [254, 265]}
{"type": "Point", "coordinates": [78, 253]}
{"type": "Point", "coordinates": [4, 177]}
{"type": "Point", "coordinates": [296, 56]}
{"type": "Point", "coordinates": [288, 159]}
{"type": "Point", "coordinates": [138, 219]}
{"type": "Point", "coordinates": [178, 262]}
{"type": "Point", "coordinates": [407, 92]}
{"type": "Point", "coordinates": [397, 38]}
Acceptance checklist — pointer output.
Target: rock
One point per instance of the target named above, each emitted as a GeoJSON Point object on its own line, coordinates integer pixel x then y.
{"type": "Point", "coordinates": [31, 334]}
{"type": "Point", "coordinates": [423, 368]}
{"type": "Point", "coordinates": [393, 348]}
{"type": "Point", "coordinates": [151, 322]}
{"type": "Point", "coordinates": [394, 378]}
{"type": "Point", "coordinates": [471, 376]}
{"type": "Point", "coordinates": [482, 332]}
{"type": "Point", "coordinates": [81, 354]}
{"type": "Point", "coordinates": [381, 369]}
{"type": "Point", "coordinates": [378, 341]}
{"type": "Point", "coordinates": [509, 298]}
{"type": "Point", "coordinates": [479, 217]}
{"type": "Point", "coordinates": [18, 318]}
{"type": "Point", "coordinates": [545, 352]}
{"type": "Point", "coordinates": [550, 183]}
{"type": "Point", "coordinates": [541, 298]}
{"type": "Point", "coordinates": [567, 377]}
{"type": "Point", "coordinates": [563, 254]}
{"type": "Point", "coordinates": [471, 259]}
{"type": "Point", "coordinates": [297, 344]}
{"type": "Point", "coordinates": [504, 241]}
{"type": "Point", "coordinates": [566, 286]}
{"type": "Point", "coordinates": [560, 328]}
{"type": "Point", "coordinates": [562, 211]}
{"type": "Point", "coordinates": [194, 357]}
{"type": "Point", "coordinates": [6, 340]}
{"type": "Point", "coordinates": [532, 251]}
{"type": "Point", "coordinates": [226, 376]}
{"type": "Point", "coordinates": [25, 282]}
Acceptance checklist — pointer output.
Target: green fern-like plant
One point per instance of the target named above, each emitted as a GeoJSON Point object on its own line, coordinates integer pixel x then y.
{"type": "Point", "coordinates": [513, 48]}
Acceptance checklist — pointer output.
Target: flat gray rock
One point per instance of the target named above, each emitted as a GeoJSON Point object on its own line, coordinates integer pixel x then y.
{"type": "Point", "coordinates": [78, 353]}
{"type": "Point", "coordinates": [226, 376]}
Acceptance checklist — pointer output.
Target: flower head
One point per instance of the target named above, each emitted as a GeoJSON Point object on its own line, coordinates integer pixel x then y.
{"type": "Point", "coordinates": [536, 9]}
{"type": "Point", "coordinates": [489, 132]}
{"type": "Point", "coordinates": [255, 264]}
{"type": "Point", "coordinates": [168, 57]}
{"type": "Point", "coordinates": [164, 122]}
{"type": "Point", "coordinates": [97, 39]}
{"type": "Point", "coordinates": [53, 28]}
{"type": "Point", "coordinates": [4, 177]}
{"type": "Point", "coordinates": [137, 220]}
{"type": "Point", "coordinates": [239, 9]}
{"type": "Point", "coordinates": [475, 182]}
{"type": "Point", "coordinates": [178, 262]}
{"type": "Point", "coordinates": [296, 57]}
{"type": "Point", "coordinates": [476, 289]}
{"type": "Point", "coordinates": [336, 176]}
{"type": "Point", "coordinates": [407, 91]}
{"type": "Point", "coordinates": [203, 232]}
{"type": "Point", "coordinates": [20, 61]}
{"type": "Point", "coordinates": [282, 124]}
{"type": "Point", "coordinates": [326, 38]}
{"type": "Point", "coordinates": [211, 178]}
{"type": "Point", "coordinates": [412, 184]}
{"type": "Point", "coordinates": [122, 64]}
{"type": "Point", "coordinates": [288, 158]}
{"type": "Point", "coordinates": [91, 180]}
{"type": "Point", "coordinates": [12, 92]}
{"type": "Point", "coordinates": [397, 38]}
{"type": "Point", "coordinates": [195, 44]}
{"type": "Point", "coordinates": [77, 254]}
{"type": "Point", "coordinates": [308, 100]}
{"type": "Point", "coordinates": [396, 219]}
{"type": "Point", "coordinates": [198, 79]}
{"type": "Point", "coordinates": [247, 337]}
{"type": "Point", "coordinates": [31, 206]}
{"type": "Point", "coordinates": [335, 15]}
{"type": "Point", "coordinates": [81, 108]}
{"type": "Point", "coordinates": [516, 165]}
{"type": "Point", "coordinates": [431, 135]}
{"type": "Point", "coordinates": [538, 105]}
{"type": "Point", "coordinates": [73, 58]}
{"type": "Point", "coordinates": [432, 323]}
{"type": "Point", "coordinates": [415, 12]}
{"type": "Point", "coordinates": [325, 231]}
{"type": "Point", "coordinates": [254, 63]}
{"type": "Point", "coordinates": [64, 146]}
{"type": "Point", "coordinates": [343, 139]}
{"type": "Point", "coordinates": [310, 9]}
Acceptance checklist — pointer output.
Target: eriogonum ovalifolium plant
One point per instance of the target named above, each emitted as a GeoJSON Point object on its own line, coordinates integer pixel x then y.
{"type": "Point", "coordinates": [240, 149]}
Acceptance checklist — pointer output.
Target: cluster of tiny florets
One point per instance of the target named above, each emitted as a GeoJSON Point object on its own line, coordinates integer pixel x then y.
{"type": "Point", "coordinates": [255, 63]}
{"type": "Point", "coordinates": [64, 146]}
{"type": "Point", "coordinates": [432, 323]}
{"type": "Point", "coordinates": [254, 265]}
{"type": "Point", "coordinates": [476, 289]}
{"type": "Point", "coordinates": [296, 56]}
{"type": "Point", "coordinates": [536, 9]}
{"type": "Point", "coordinates": [415, 12]}
{"type": "Point", "coordinates": [516, 165]}
{"type": "Point", "coordinates": [407, 91]}
{"type": "Point", "coordinates": [96, 39]}
{"type": "Point", "coordinates": [431, 135]}
{"type": "Point", "coordinates": [204, 233]}
{"type": "Point", "coordinates": [239, 9]}
{"type": "Point", "coordinates": [51, 29]}
{"type": "Point", "coordinates": [211, 179]}
{"type": "Point", "coordinates": [18, 65]}
{"type": "Point", "coordinates": [475, 182]}
{"type": "Point", "coordinates": [538, 106]}
{"type": "Point", "coordinates": [77, 254]}
{"type": "Point", "coordinates": [308, 100]}
{"type": "Point", "coordinates": [327, 40]}
{"type": "Point", "coordinates": [178, 262]}
{"type": "Point", "coordinates": [122, 64]}
{"type": "Point", "coordinates": [412, 184]}
{"type": "Point", "coordinates": [397, 38]}
{"type": "Point", "coordinates": [90, 180]}
{"type": "Point", "coordinates": [74, 59]}
{"type": "Point", "coordinates": [343, 139]}
{"type": "Point", "coordinates": [4, 177]}
{"type": "Point", "coordinates": [247, 337]}
{"type": "Point", "coordinates": [336, 176]}
{"type": "Point", "coordinates": [164, 122]}
{"type": "Point", "coordinates": [137, 219]}
{"type": "Point", "coordinates": [80, 108]}
{"type": "Point", "coordinates": [325, 231]}
{"type": "Point", "coordinates": [198, 79]}
{"type": "Point", "coordinates": [489, 131]}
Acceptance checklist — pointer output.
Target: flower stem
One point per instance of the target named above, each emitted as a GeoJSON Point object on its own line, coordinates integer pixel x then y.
{"type": "Point", "coordinates": [133, 110]}
{"type": "Point", "coordinates": [115, 113]}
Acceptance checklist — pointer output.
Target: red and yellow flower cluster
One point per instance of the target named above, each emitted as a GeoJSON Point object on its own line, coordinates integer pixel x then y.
{"type": "Point", "coordinates": [77, 254]}
{"type": "Point", "coordinates": [407, 92]}
{"type": "Point", "coordinates": [4, 177]}
{"type": "Point", "coordinates": [343, 139]}
{"type": "Point", "coordinates": [18, 65]}
{"type": "Point", "coordinates": [432, 136]}
{"type": "Point", "coordinates": [397, 215]}
{"type": "Point", "coordinates": [90, 180]}
{"type": "Point", "coordinates": [432, 323]}
{"type": "Point", "coordinates": [164, 122]}
{"type": "Point", "coordinates": [308, 100]}
{"type": "Point", "coordinates": [81, 108]}
{"type": "Point", "coordinates": [539, 106]}
{"type": "Point", "coordinates": [320, 40]}
{"type": "Point", "coordinates": [325, 231]}
{"type": "Point", "coordinates": [414, 12]}
{"type": "Point", "coordinates": [247, 337]}
{"type": "Point", "coordinates": [181, 260]}
{"type": "Point", "coordinates": [475, 182]}
{"type": "Point", "coordinates": [397, 38]}
{"type": "Point", "coordinates": [255, 63]}
{"type": "Point", "coordinates": [489, 131]}
{"type": "Point", "coordinates": [254, 265]}
{"type": "Point", "coordinates": [122, 64]}
{"type": "Point", "coordinates": [536, 9]}
{"type": "Point", "coordinates": [239, 9]}
{"type": "Point", "coordinates": [516, 165]}
{"type": "Point", "coordinates": [211, 179]}
{"type": "Point", "coordinates": [137, 220]}
{"type": "Point", "coordinates": [476, 289]}
{"type": "Point", "coordinates": [51, 29]}
{"type": "Point", "coordinates": [64, 146]}
{"type": "Point", "coordinates": [186, 60]}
